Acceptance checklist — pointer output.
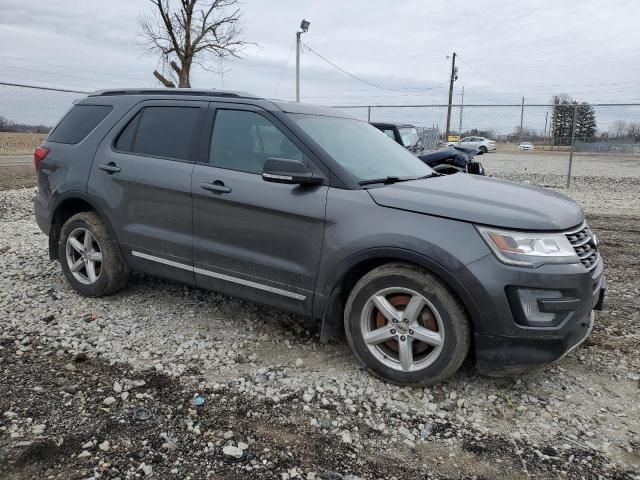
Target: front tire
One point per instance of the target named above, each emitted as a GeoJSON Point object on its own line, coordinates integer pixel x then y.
{"type": "Point", "coordinates": [90, 258]}
{"type": "Point", "coordinates": [406, 325]}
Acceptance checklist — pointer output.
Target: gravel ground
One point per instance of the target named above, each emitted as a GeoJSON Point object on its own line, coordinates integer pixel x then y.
{"type": "Point", "coordinates": [74, 370]}
{"type": "Point", "coordinates": [600, 182]}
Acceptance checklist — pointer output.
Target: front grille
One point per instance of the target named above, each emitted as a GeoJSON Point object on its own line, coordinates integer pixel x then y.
{"type": "Point", "coordinates": [583, 242]}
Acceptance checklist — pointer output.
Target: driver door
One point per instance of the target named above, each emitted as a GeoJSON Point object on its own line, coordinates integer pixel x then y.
{"type": "Point", "coordinates": [255, 239]}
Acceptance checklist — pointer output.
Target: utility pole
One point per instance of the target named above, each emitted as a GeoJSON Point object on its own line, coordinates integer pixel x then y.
{"type": "Point", "coordinates": [521, 119]}
{"type": "Point", "coordinates": [304, 27]}
{"type": "Point", "coordinates": [546, 120]}
{"type": "Point", "coordinates": [454, 76]}
{"type": "Point", "coordinates": [460, 123]}
{"type": "Point", "coordinates": [573, 143]}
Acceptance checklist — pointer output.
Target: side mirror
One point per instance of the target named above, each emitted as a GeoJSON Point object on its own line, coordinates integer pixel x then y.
{"type": "Point", "coordinates": [285, 170]}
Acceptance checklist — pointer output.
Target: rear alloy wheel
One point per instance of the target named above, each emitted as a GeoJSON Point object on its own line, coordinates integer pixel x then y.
{"type": "Point", "coordinates": [483, 149]}
{"type": "Point", "coordinates": [83, 256]}
{"type": "Point", "coordinates": [406, 326]}
{"type": "Point", "coordinates": [90, 258]}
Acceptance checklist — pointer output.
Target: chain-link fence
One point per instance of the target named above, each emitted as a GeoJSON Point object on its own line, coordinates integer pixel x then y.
{"type": "Point", "coordinates": [558, 134]}
{"type": "Point", "coordinates": [27, 113]}
{"type": "Point", "coordinates": [591, 137]}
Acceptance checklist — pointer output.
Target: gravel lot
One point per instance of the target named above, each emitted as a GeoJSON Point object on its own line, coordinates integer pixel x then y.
{"type": "Point", "coordinates": [74, 371]}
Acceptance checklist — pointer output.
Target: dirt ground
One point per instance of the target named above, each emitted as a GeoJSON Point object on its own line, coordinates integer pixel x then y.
{"type": "Point", "coordinates": [17, 176]}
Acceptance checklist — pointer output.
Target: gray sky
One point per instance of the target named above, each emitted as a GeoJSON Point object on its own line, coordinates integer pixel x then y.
{"type": "Point", "coordinates": [588, 49]}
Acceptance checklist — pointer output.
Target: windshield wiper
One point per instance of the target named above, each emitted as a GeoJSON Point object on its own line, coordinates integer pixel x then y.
{"type": "Point", "coordinates": [391, 179]}
{"type": "Point", "coordinates": [385, 180]}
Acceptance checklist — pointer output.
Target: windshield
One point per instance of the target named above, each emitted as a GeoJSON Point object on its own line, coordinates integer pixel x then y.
{"type": "Point", "coordinates": [361, 149]}
{"type": "Point", "coordinates": [409, 136]}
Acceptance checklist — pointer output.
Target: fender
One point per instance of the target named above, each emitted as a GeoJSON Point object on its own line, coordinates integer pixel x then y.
{"type": "Point", "coordinates": [54, 234]}
{"type": "Point", "coordinates": [327, 301]}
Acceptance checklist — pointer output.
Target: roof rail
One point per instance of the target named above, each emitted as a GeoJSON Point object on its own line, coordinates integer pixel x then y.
{"type": "Point", "coordinates": [173, 91]}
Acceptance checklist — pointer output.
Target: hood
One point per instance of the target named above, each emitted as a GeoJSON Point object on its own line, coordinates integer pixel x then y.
{"type": "Point", "coordinates": [482, 200]}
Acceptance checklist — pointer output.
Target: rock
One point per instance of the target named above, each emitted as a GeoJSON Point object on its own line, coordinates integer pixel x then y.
{"type": "Point", "coordinates": [233, 452]}
{"type": "Point", "coordinates": [146, 469]}
{"type": "Point", "coordinates": [105, 446]}
{"type": "Point", "coordinates": [38, 429]}
{"type": "Point", "coordinates": [307, 397]}
{"type": "Point", "coordinates": [243, 446]}
{"type": "Point", "coordinates": [228, 435]}
{"type": "Point", "coordinates": [406, 433]}
{"type": "Point", "coordinates": [299, 362]}
{"type": "Point", "coordinates": [346, 437]}
{"type": "Point", "coordinates": [88, 445]}
{"type": "Point", "coordinates": [84, 454]}
{"type": "Point", "coordinates": [117, 387]}
{"type": "Point", "coordinates": [409, 443]}
{"type": "Point", "coordinates": [109, 401]}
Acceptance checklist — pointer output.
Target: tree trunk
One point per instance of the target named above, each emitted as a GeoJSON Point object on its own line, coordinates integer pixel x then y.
{"type": "Point", "coordinates": [183, 75]}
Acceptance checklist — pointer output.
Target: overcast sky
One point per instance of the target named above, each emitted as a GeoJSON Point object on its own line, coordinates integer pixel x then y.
{"type": "Point", "coordinates": [588, 49]}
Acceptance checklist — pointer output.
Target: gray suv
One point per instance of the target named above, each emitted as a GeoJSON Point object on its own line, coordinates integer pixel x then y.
{"type": "Point", "coordinates": [307, 209]}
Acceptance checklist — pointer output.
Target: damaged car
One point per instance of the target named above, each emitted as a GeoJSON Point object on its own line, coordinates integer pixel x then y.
{"type": "Point", "coordinates": [447, 160]}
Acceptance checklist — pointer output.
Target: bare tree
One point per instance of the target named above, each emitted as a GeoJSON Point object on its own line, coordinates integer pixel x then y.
{"type": "Point", "coordinates": [188, 32]}
{"type": "Point", "coordinates": [618, 128]}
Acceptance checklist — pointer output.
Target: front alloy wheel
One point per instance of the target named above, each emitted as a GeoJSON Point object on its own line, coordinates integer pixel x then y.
{"type": "Point", "coordinates": [402, 329]}
{"type": "Point", "coordinates": [406, 325]}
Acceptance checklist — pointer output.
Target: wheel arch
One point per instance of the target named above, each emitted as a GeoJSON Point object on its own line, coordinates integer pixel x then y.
{"type": "Point", "coordinates": [346, 275]}
{"type": "Point", "coordinates": [65, 207]}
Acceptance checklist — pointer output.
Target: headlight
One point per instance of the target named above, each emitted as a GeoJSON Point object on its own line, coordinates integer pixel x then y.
{"type": "Point", "coordinates": [529, 249]}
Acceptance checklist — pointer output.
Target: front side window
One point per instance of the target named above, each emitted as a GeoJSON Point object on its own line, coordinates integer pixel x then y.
{"type": "Point", "coordinates": [243, 140]}
{"type": "Point", "coordinates": [160, 132]}
{"type": "Point", "coordinates": [360, 148]}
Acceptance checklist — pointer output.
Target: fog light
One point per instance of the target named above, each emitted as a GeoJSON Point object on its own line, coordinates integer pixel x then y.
{"type": "Point", "coordinates": [529, 302]}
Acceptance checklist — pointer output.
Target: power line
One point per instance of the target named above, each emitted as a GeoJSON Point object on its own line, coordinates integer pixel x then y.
{"type": "Point", "coordinates": [366, 81]}
{"type": "Point", "coordinates": [275, 92]}
{"type": "Point", "coordinates": [66, 67]}
{"type": "Point", "coordinates": [28, 69]}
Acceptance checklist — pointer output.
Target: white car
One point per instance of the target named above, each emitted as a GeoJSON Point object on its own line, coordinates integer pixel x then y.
{"type": "Point", "coordinates": [526, 146]}
{"type": "Point", "coordinates": [481, 143]}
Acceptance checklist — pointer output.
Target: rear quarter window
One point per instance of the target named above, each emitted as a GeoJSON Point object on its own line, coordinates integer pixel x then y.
{"type": "Point", "coordinates": [78, 123]}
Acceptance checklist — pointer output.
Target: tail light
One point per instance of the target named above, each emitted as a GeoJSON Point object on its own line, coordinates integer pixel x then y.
{"type": "Point", "coordinates": [38, 155]}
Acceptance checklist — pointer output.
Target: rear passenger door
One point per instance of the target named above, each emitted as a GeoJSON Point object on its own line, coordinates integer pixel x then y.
{"type": "Point", "coordinates": [142, 177]}
{"type": "Point", "coordinates": [252, 238]}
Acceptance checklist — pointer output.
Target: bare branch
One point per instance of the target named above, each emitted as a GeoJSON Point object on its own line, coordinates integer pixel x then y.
{"type": "Point", "coordinates": [164, 81]}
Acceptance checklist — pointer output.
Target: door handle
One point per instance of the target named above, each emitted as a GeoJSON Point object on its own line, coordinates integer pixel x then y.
{"type": "Point", "coordinates": [110, 168]}
{"type": "Point", "coordinates": [217, 186]}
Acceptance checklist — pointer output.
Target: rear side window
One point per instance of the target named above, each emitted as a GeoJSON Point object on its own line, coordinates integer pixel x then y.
{"type": "Point", "coordinates": [160, 132]}
{"type": "Point", "coordinates": [77, 124]}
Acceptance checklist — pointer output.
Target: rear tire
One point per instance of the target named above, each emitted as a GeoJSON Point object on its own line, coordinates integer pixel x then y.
{"type": "Point", "coordinates": [406, 326]}
{"type": "Point", "coordinates": [90, 257]}
{"type": "Point", "coordinates": [483, 149]}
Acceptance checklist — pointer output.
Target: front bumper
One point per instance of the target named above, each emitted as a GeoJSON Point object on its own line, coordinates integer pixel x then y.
{"type": "Point", "coordinates": [503, 344]}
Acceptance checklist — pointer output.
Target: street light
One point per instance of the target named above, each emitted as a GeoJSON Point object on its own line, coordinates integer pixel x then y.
{"type": "Point", "coordinates": [304, 27]}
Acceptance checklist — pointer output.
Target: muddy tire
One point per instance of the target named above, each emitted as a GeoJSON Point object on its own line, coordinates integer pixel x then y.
{"type": "Point", "coordinates": [406, 325]}
{"type": "Point", "coordinates": [90, 257]}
